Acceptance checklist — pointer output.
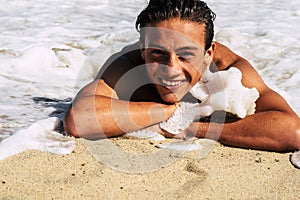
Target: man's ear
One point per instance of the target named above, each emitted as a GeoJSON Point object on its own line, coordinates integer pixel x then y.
{"type": "Point", "coordinates": [142, 48]}
{"type": "Point", "coordinates": [209, 54]}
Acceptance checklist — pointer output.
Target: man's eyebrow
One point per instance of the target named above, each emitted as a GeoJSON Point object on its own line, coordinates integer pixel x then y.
{"type": "Point", "coordinates": [188, 48]}
{"type": "Point", "coordinates": [153, 45]}
{"type": "Point", "coordinates": [192, 47]}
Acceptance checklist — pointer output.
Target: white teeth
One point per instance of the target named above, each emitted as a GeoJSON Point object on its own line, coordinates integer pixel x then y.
{"type": "Point", "coordinates": [171, 83]}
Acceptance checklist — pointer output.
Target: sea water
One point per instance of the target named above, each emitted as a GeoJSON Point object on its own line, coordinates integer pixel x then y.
{"type": "Point", "coordinates": [50, 49]}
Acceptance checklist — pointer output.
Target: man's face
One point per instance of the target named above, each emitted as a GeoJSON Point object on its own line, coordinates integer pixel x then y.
{"type": "Point", "coordinates": [175, 57]}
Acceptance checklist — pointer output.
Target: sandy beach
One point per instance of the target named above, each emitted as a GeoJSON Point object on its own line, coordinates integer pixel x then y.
{"type": "Point", "coordinates": [224, 173]}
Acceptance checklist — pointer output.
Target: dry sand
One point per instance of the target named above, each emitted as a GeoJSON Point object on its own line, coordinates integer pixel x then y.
{"type": "Point", "coordinates": [225, 173]}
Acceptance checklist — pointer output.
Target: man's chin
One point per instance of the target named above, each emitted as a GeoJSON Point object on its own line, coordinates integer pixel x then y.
{"type": "Point", "coordinates": [170, 98]}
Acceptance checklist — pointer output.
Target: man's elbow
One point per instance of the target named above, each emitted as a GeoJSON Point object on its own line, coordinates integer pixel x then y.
{"type": "Point", "coordinates": [296, 142]}
{"type": "Point", "coordinates": [83, 128]}
{"type": "Point", "coordinates": [69, 124]}
{"type": "Point", "coordinates": [295, 135]}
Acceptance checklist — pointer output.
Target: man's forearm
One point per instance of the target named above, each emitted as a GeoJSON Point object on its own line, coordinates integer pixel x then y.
{"type": "Point", "coordinates": [271, 130]}
{"type": "Point", "coordinates": [99, 116]}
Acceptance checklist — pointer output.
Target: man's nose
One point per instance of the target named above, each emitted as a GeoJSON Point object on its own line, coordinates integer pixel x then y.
{"type": "Point", "coordinates": [172, 60]}
{"type": "Point", "coordinates": [172, 65]}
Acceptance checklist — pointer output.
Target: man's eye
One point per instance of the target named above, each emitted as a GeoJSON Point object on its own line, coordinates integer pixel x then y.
{"type": "Point", "coordinates": [157, 52]}
{"type": "Point", "coordinates": [186, 55]}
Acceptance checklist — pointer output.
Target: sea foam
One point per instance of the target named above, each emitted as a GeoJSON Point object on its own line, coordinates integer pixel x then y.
{"type": "Point", "coordinates": [41, 135]}
{"type": "Point", "coordinates": [219, 91]}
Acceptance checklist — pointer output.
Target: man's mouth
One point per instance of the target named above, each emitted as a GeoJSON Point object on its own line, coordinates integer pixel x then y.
{"type": "Point", "coordinates": [171, 84]}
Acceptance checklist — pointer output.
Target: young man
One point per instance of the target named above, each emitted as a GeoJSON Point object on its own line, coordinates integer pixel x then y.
{"type": "Point", "coordinates": [139, 87]}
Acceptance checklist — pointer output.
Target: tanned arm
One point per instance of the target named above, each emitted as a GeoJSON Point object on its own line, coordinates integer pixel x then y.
{"type": "Point", "coordinates": [274, 126]}
{"type": "Point", "coordinates": [98, 112]}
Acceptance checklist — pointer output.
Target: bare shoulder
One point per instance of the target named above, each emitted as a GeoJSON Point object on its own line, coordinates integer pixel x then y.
{"type": "Point", "coordinates": [224, 58]}
{"type": "Point", "coordinates": [98, 87]}
{"type": "Point", "coordinates": [119, 64]}
{"type": "Point", "coordinates": [125, 73]}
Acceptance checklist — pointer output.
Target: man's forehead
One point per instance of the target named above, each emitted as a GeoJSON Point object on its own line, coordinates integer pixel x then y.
{"type": "Point", "coordinates": [172, 39]}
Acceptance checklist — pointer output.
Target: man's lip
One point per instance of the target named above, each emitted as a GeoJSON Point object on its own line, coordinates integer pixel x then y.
{"type": "Point", "coordinates": [171, 84]}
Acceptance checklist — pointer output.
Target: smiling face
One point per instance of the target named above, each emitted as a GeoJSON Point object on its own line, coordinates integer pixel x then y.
{"type": "Point", "coordinates": [175, 58]}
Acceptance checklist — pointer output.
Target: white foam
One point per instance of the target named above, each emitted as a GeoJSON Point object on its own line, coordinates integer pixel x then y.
{"type": "Point", "coordinates": [39, 136]}
{"type": "Point", "coordinates": [145, 134]}
{"type": "Point", "coordinates": [226, 93]}
{"type": "Point", "coordinates": [191, 144]}
{"type": "Point", "coordinates": [181, 118]}
{"type": "Point", "coordinates": [219, 91]}
{"type": "Point", "coordinates": [295, 159]}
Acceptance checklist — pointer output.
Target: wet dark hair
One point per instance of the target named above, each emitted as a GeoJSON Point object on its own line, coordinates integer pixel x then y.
{"type": "Point", "coordinates": [190, 10]}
